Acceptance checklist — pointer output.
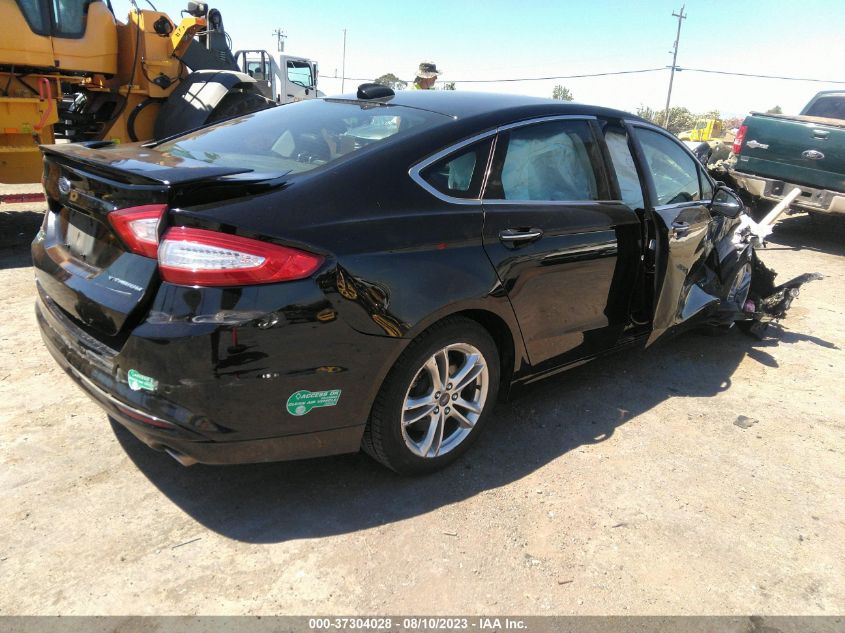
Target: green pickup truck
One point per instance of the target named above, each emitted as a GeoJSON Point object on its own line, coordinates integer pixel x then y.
{"type": "Point", "coordinates": [776, 153]}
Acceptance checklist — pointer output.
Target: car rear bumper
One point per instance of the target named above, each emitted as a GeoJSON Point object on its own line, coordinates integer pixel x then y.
{"type": "Point", "coordinates": [163, 424]}
{"type": "Point", "coordinates": [811, 199]}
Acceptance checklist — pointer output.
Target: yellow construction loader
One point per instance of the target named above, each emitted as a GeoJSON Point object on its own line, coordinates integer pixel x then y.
{"type": "Point", "coordinates": [704, 130]}
{"type": "Point", "coordinates": [69, 69]}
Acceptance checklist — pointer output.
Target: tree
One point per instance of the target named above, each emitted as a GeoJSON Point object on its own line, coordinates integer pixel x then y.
{"type": "Point", "coordinates": [562, 93]}
{"type": "Point", "coordinates": [644, 112]}
{"type": "Point", "coordinates": [776, 110]}
{"type": "Point", "coordinates": [391, 81]}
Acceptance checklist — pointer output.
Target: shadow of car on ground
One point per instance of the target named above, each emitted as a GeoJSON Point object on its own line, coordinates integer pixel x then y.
{"type": "Point", "coordinates": [265, 503]}
{"type": "Point", "coordinates": [823, 234]}
{"type": "Point", "coordinates": [18, 228]}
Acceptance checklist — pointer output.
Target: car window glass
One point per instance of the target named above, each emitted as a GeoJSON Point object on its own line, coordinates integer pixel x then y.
{"type": "Point", "coordinates": [828, 107]}
{"type": "Point", "coordinates": [623, 164]}
{"type": "Point", "coordinates": [33, 11]}
{"type": "Point", "coordinates": [549, 161]}
{"type": "Point", "coordinates": [674, 172]}
{"type": "Point", "coordinates": [69, 17]}
{"type": "Point", "coordinates": [706, 185]}
{"type": "Point", "coordinates": [460, 174]}
{"type": "Point", "coordinates": [298, 137]}
{"type": "Point", "coordinates": [299, 73]}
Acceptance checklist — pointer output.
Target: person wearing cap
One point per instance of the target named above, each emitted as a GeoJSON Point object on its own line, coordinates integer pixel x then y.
{"type": "Point", "coordinates": [426, 76]}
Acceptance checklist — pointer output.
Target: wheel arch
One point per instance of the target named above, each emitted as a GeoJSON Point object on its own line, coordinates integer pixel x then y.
{"type": "Point", "coordinates": [193, 101]}
{"type": "Point", "coordinates": [504, 339]}
{"type": "Point", "coordinates": [513, 360]}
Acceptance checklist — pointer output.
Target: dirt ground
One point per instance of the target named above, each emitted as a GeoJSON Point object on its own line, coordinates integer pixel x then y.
{"type": "Point", "coordinates": [627, 486]}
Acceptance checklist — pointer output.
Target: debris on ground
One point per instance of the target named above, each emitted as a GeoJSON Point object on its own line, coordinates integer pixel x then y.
{"type": "Point", "coordinates": [744, 422]}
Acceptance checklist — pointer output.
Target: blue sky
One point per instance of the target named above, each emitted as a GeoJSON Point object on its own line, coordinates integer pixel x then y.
{"type": "Point", "coordinates": [503, 39]}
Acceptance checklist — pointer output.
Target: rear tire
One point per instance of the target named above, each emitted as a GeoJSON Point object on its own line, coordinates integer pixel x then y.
{"type": "Point", "coordinates": [435, 399]}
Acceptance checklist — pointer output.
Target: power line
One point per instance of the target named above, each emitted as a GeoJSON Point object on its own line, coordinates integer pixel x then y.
{"type": "Point", "coordinates": [725, 72]}
{"type": "Point", "coordinates": [608, 74]}
{"type": "Point", "coordinates": [488, 81]}
{"type": "Point", "coordinates": [493, 81]}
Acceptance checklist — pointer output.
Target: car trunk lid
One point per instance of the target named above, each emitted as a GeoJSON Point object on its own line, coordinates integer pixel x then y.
{"type": "Point", "coordinates": [80, 260]}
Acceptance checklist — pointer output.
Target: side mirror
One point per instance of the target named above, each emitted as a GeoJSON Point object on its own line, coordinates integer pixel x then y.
{"type": "Point", "coordinates": [726, 202]}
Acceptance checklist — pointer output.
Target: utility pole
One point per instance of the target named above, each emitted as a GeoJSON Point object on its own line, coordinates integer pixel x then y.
{"type": "Point", "coordinates": [343, 65]}
{"type": "Point", "coordinates": [680, 17]}
{"type": "Point", "coordinates": [280, 36]}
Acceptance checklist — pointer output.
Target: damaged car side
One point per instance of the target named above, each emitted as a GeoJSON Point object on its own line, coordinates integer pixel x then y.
{"type": "Point", "coordinates": [375, 270]}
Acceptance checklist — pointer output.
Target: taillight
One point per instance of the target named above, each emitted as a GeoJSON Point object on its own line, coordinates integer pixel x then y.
{"type": "Point", "coordinates": [740, 139]}
{"type": "Point", "coordinates": [197, 257]}
{"type": "Point", "coordinates": [138, 227]}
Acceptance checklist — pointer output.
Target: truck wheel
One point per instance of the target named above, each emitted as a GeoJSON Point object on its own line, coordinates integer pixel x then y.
{"type": "Point", "coordinates": [435, 399]}
{"type": "Point", "coordinates": [238, 103]}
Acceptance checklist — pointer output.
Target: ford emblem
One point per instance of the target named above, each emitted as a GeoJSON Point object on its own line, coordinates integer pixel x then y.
{"type": "Point", "coordinates": [812, 154]}
{"type": "Point", "coordinates": [64, 186]}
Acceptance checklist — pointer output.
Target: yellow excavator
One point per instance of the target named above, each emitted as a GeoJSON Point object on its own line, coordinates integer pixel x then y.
{"type": "Point", "coordinates": [69, 69]}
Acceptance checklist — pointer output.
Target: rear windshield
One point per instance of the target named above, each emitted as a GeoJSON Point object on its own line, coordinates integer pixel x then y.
{"type": "Point", "coordinates": [300, 136]}
{"type": "Point", "coordinates": [828, 107]}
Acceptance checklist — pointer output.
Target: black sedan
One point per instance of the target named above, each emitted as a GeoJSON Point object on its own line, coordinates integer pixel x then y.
{"type": "Point", "coordinates": [376, 270]}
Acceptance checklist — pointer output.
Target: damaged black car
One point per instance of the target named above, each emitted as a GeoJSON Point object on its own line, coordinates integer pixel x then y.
{"type": "Point", "coordinates": [374, 271]}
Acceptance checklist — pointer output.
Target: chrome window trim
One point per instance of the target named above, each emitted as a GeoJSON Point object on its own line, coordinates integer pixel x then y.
{"type": "Point", "coordinates": [553, 203]}
{"type": "Point", "coordinates": [416, 170]}
{"type": "Point", "coordinates": [547, 119]}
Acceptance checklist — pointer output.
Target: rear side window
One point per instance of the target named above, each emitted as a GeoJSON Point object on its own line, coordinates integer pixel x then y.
{"type": "Point", "coordinates": [299, 137]}
{"type": "Point", "coordinates": [832, 107]}
{"type": "Point", "coordinates": [551, 161]}
{"type": "Point", "coordinates": [459, 175]}
{"type": "Point", "coordinates": [674, 171]}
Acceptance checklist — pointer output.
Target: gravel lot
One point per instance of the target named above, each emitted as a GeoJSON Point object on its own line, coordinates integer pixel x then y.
{"type": "Point", "coordinates": [627, 486]}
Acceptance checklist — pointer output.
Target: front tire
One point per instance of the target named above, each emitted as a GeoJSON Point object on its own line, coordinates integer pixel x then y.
{"type": "Point", "coordinates": [435, 399]}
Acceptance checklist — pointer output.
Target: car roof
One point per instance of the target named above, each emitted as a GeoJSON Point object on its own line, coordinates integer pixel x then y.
{"type": "Point", "coordinates": [462, 104]}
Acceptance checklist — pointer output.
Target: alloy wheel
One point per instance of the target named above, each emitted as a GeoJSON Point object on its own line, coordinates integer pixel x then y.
{"type": "Point", "coordinates": [445, 400]}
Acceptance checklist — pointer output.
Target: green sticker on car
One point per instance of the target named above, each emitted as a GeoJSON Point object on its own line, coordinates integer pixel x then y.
{"type": "Point", "coordinates": [138, 381]}
{"type": "Point", "coordinates": [303, 401]}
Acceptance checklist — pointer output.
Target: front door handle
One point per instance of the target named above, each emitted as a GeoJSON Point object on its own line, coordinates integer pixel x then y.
{"type": "Point", "coordinates": [680, 228]}
{"type": "Point", "coordinates": [512, 236]}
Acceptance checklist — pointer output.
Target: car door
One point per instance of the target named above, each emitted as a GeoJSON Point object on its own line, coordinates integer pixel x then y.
{"type": "Point", "coordinates": [562, 246]}
{"type": "Point", "coordinates": [682, 219]}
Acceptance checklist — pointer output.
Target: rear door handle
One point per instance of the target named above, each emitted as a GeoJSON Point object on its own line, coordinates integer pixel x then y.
{"type": "Point", "coordinates": [680, 228]}
{"type": "Point", "coordinates": [512, 236]}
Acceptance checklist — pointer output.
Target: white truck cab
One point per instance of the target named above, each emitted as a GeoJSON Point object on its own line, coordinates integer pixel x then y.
{"type": "Point", "coordinates": [291, 79]}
